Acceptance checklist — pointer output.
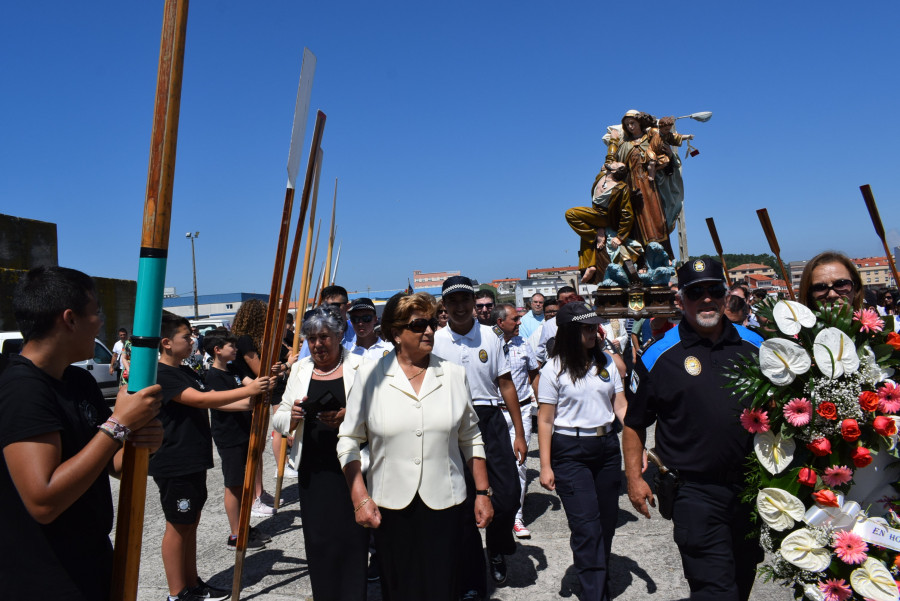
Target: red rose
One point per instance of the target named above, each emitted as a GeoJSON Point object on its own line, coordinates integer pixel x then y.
{"type": "Point", "coordinates": [868, 400]}
{"type": "Point", "coordinates": [893, 338]}
{"type": "Point", "coordinates": [826, 498]}
{"type": "Point", "coordinates": [827, 410]}
{"type": "Point", "coordinates": [885, 425]}
{"type": "Point", "coordinates": [820, 447]}
{"type": "Point", "coordinates": [850, 430]}
{"type": "Point", "coordinates": [808, 477]}
{"type": "Point", "coordinates": [861, 457]}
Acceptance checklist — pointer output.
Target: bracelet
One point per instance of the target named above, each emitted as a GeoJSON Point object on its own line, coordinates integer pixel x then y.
{"type": "Point", "coordinates": [364, 501]}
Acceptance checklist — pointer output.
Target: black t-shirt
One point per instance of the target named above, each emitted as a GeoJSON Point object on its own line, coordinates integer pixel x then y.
{"type": "Point", "coordinates": [70, 558]}
{"type": "Point", "coordinates": [246, 346]}
{"type": "Point", "coordinates": [229, 428]}
{"type": "Point", "coordinates": [679, 383]}
{"type": "Point", "coordinates": [187, 442]}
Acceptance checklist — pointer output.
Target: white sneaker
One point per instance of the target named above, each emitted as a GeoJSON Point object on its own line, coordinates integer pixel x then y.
{"type": "Point", "coordinates": [520, 530]}
{"type": "Point", "coordinates": [268, 499]}
{"type": "Point", "coordinates": [290, 472]}
{"type": "Point", "coordinates": [261, 509]}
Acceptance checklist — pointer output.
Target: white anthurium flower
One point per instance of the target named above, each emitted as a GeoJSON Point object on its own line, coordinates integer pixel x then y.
{"type": "Point", "coordinates": [791, 317]}
{"type": "Point", "coordinates": [801, 549]}
{"type": "Point", "coordinates": [835, 353]}
{"type": "Point", "coordinates": [779, 509]}
{"type": "Point", "coordinates": [812, 592]}
{"type": "Point", "coordinates": [872, 372]}
{"type": "Point", "coordinates": [774, 452]}
{"type": "Point", "coordinates": [873, 581]}
{"type": "Point", "coordinates": [783, 360]}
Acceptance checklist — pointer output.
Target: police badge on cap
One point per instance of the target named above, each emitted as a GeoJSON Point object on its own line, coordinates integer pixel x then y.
{"type": "Point", "coordinates": [701, 270]}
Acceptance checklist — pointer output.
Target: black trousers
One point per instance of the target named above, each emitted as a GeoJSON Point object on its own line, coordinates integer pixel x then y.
{"type": "Point", "coordinates": [710, 528]}
{"type": "Point", "coordinates": [503, 476]}
{"type": "Point", "coordinates": [418, 552]}
{"type": "Point", "coordinates": [587, 471]}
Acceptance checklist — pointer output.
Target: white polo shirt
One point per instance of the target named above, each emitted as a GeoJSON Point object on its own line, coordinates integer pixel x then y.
{"type": "Point", "coordinates": [587, 403]}
{"type": "Point", "coordinates": [521, 360]}
{"type": "Point", "coordinates": [480, 352]}
{"type": "Point", "coordinates": [547, 332]}
{"type": "Point", "coordinates": [379, 349]}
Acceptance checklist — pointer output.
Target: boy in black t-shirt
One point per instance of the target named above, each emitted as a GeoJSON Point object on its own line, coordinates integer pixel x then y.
{"type": "Point", "coordinates": [179, 467]}
{"type": "Point", "coordinates": [231, 432]}
{"type": "Point", "coordinates": [60, 445]}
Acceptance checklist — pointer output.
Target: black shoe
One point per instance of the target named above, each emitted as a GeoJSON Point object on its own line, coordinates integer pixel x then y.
{"type": "Point", "coordinates": [186, 595]}
{"type": "Point", "coordinates": [254, 541]}
{"type": "Point", "coordinates": [373, 573]}
{"type": "Point", "coordinates": [210, 593]}
{"type": "Point", "coordinates": [471, 596]}
{"type": "Point", "coordinates": [498, 567]}
{"type": "Point", "coordinates": [260, 535]}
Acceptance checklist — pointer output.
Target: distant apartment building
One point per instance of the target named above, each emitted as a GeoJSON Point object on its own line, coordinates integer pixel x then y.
{"type": "Point", "coordinates": [875, 272]}
{"type": "Point", "coordinates": [431, 279]}
{"type": "Point", "coordinates": [742, 271]}
{"type": "Point", "coordinates": [570, 275]}
{"type": "Point", "coordinates": [505, 285]}
{"type": "Point", "coordinates": [795, 268]}
{"type": "Point", "coordinates": [547, 286]}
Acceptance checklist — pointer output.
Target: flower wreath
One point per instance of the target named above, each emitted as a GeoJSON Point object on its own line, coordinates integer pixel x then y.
{"type": "Point", "coordinates": [822, 408]}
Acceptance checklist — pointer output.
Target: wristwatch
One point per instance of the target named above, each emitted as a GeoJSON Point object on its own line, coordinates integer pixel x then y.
{"type": "Point", "coordinates": [115, 430]}
{"type": "Point", "coordinates": [489, 492]}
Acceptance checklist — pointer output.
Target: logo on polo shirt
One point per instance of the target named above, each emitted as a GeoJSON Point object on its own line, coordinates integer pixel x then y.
{"type": "Point", "coordinates": [699, 265]}
{"type": "Point", "coordinates": [604, 375]}
{"type": "Point", "coordinates": [692, 366]}
{"type": "Point", "coordinates": [482, 354]}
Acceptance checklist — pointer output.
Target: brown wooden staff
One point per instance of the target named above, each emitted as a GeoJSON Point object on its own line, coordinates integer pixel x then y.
{"type": "Point", "coordinates": [715, 238]}
{"type": "Point", "coordinates": [763, 215]}
{"type": "Point", "coordinates": [272, 335]}
{"type": "Point", "coordinates": [312, 266]}
{"type": "Point", "coordinates": [151, 276]}
{"type": "Point", "coordinates": [327, 280]}
{"type": "Point", "coordinates": [879, 228]}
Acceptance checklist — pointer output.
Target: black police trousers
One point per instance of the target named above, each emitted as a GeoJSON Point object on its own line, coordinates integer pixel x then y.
{"type": "Point", "coordinates": [710, 529]}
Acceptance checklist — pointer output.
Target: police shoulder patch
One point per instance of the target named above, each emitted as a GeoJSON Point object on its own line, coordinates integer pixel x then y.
{"type": "Point", "coordinates": [497, 331]}
{"type": "Point", "coordinates": [483, 356]}
{"type": "Point", "coordinates": [604, 375]}
{"type": "Point", "coordinates": [385, 354]}
{"type": "Point", "coordinates": [635, 382]}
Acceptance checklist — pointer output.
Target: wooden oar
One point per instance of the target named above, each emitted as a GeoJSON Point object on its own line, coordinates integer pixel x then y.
{"type": "Point", "coordinates": [151, 278]}
{"type": "Point", "coordinates": [763, 215]}
{"type": "Point", "coordinates": [715, 238]}
{"type": "Point", "coordinates": [327, 281]}
{"type": "Point", "coordinates": [337, 260]}
{"type": "Point", "coordinates": [312, 266]}
{"type": "Point", "coordinates": [272, 335]}
{"type": "Point", "coordinates": [879, 228]}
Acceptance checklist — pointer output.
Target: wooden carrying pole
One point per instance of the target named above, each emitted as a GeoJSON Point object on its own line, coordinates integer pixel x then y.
{"type": "Point", "coordinates": [326, 281]}
{"type": "Point", "coordinates": [312, 266]}
{"type": "Point", "coordinates": [151, 279]}
{"type": "Point", "coordinates": [763, 215]}
{"type": "Point", "coordinates": [879, 228]}
{"type": "Point", "coordinates": [715, 238]}
{"type": "Point", "coordinates": [272, 335]}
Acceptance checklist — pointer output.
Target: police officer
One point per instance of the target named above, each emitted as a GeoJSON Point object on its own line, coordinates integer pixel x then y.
{"type": "Point", "coordinates": [480, 351]}
{"type": "Point", "coordinates": [679, 383]}
{"type": "Point", "coordinates": [363, 318]}
{"type": "Point", "coordinates": [524, 367]}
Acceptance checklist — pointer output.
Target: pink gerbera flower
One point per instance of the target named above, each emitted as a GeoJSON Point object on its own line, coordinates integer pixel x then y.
{"type": "Point", "coordinates": [869, 321]}
{"type": "Point", "coordinates": [755, 420]}
{"type": "Point", "coordinates": [837, 475]}
{"type": "Point", "coordinates": [849, 547]}
{"type": "Point", "coordinates": [889, 397]}
{"type": "Point", "coordinates": [835, 590]}
{"type": "Point", "coordinates": [797, 412]}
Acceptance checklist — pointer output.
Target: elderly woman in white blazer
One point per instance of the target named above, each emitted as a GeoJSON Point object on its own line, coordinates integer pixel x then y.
{"type": "Point", "coordinates": [414, 409]}
{"type": "Point", "coordinates": [336, 546]}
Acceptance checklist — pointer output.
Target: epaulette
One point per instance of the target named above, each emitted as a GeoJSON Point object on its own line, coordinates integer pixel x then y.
{"type": "Point", "coordinates": [497, 331]}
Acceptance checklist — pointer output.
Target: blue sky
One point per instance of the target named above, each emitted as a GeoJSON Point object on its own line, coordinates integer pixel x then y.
{"type": "Point", "coordinates": [459, 132]}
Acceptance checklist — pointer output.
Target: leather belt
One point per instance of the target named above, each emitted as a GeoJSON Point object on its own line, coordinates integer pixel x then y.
{"type": "Point", "coordinates": [485, 402]}
{"type": "Point", "coordinates": [521, 403]}
{"type": "Point", "coordinates": [570, 431]}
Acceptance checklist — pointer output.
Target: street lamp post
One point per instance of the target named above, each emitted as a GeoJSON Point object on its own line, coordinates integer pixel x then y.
{"type": "Point", "coordinates": [194, 265]}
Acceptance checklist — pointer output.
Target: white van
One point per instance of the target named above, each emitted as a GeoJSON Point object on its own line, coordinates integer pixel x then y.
{"type": "Point", "coordinates": [11, 344]}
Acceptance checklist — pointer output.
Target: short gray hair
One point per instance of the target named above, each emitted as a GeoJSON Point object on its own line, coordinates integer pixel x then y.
{"type": "Point", "coordinates": [501, 311]}
{"type": "Point", "coordinates": [325, 318]}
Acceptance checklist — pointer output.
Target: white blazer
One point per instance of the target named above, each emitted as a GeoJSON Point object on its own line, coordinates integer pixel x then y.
{"type": "Point", "coordinates": [296, 389]}
{"type": "Point", "coordinates": [417, 442]}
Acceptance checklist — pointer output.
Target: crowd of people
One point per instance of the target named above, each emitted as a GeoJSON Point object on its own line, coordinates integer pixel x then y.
{"type": "Point", "coordinates": [400, 434]}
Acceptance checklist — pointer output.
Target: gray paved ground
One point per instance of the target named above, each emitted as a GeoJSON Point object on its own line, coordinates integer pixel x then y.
{"type": "Point", "coordinates": [644, 565]}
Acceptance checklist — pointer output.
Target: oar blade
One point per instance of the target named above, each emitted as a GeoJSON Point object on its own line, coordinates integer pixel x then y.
{"type": "Point", "coordinates": [301, 112]}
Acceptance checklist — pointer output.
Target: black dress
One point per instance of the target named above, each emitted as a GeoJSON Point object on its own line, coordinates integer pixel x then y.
{"type": "Point", "coordinates": [336, 546]}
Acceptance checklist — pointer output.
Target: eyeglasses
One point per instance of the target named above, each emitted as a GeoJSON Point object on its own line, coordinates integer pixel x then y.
{"type": "Point", "coordinates": [443, 312]}
{"type": "Point", "coordinates": [362, 318]}
{"type": "Point", "coordinates": [715, 291]}
{"type": "Point", "coordinates": [484, 306]}
{"type": "Point", "coordinates": [840, 287]}
{"type": "Point", "coordinates": [420, 325]}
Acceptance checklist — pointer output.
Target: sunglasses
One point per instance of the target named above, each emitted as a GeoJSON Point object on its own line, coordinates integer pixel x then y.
{"type": "Point", "coordinates": [697, 292]}
{"type": "Point", "coordinates": [840, 287]}
{"type": "Point", "coordinates": [362, 318]}
{"type": "Point", "coordinates": [443, 312]}
{"type": "Point", "coordinates": [420, 325]}
{"type": "Point", "coordinates": [484, 306]}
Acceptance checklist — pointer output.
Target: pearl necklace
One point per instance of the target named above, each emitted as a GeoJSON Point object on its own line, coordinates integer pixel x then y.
{"type": "Point", "coordinates": [328, 373]}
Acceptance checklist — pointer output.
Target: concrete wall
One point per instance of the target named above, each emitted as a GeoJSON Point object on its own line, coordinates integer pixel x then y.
{"type": "Point", "coordinates": [26, 243]}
